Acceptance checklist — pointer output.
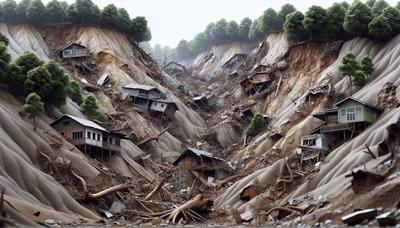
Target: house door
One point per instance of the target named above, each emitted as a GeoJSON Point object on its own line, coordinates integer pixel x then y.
{"type": "Point", "coordinates": [351, 115]}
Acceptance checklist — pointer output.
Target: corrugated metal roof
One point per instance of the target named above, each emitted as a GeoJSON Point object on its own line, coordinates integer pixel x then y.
{"type": "Point", "coordinates": [138, 86]}
{"type": "Point", "coordinates": [84, 122]}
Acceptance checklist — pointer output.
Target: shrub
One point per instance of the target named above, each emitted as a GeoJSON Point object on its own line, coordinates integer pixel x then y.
{"type": "Point", "coordinates": [257, 124]}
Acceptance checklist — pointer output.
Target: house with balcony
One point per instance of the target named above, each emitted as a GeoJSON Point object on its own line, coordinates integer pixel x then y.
{"type": "Point", "coordinates": [87, 136]}
{"type": "Point", "coordinates": [74, 50]}
{"type": "Point", "coordinates": [142, 95]}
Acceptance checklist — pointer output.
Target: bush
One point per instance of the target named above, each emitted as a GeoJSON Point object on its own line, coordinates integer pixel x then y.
{"type": "Point", "coordinates": [133, 137]}
{"type": "Point", "coordinates": [257, 124]}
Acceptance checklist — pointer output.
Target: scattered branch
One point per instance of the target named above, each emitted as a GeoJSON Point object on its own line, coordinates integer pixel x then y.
{"type": "Point", "coordinates": [152, 138]}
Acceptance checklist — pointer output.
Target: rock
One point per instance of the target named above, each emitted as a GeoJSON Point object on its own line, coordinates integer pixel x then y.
{"type": "Point", "coordinates": [117, 207]}
{"type": "Point", "coordinates": [282, 65]}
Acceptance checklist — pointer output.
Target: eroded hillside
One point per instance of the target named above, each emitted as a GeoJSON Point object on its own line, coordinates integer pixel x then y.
{"type": "Point", "coordinates": [47, 179]}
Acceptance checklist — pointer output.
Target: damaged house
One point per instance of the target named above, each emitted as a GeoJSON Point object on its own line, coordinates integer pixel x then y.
{"type": "Point", "coordinates": [256, 82]}
{"type": "Point", "coordinates": [74, 50]}
{"type": "Point", "coordinates": [175, 69]}
{"type": "Point", "coordinates": [163, 108]}
{"type": "Point", "coordinates": [234, 61]}
{"type": "Point", "coordinates": [142, 95]}
{"type": "Point", "coordinates": [205, 101]}
{"type": "Point", "coordinates": [88, 136]}
{"type": "Point", "coordinates": [202, 162]}
{"type": "Point", "coordinates": [349, 118]}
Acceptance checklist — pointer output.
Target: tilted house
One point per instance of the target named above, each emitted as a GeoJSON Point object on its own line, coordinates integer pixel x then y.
{"type": "Point", "coordinates": [88, 136]}
{"type": "Point", "coordinates": [142, 95]}
{"type": "Point", "coordinates": [74, 50]}
{"type": "Point", "coordinates": [235, 60]}
{"type": "Point", "coordinates": [203, 162]}
{"type": "Point", "coordinates": [174, 68]}
{"type": "Point", "coordinates": [205, 100]}
{"type": "Point", "coordinates": [163, 107]}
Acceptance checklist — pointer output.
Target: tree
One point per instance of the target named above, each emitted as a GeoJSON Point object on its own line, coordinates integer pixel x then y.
{"type": "Point", "coordinates": [124, 20]}
{"type": "Point", "coordinates": [359, 79]}
{"type": "Point", "coordinates": [286, 10]}
{"type": "Point", "coordinates": [90, 109]}
{"type": "Point", "coordinates": [348, 68]}
{"type": "Point", "coordinates": [21, 10]}
{"type": "Point", "coordinates": [83, 10]}
{"type": "Point", "coordinates": [345, 5]}
{"type": "Point", "coordinates": [182, 49]}
{"type": "Point", "coordinates": [33, 107]}
{"type": "Point", "coordinates": [95, 19]}
{"type": "Point", "coordinates": [133, 138]}
{"type": "Point", "coordinates": [257, 125]}
{"type": "Point", "coordinates": [379, 28]}
{"type": "Point", "coordinates": [269, 21]}
{"type": "Point", "coordinates": [357, 18]}
{"type": "Point", "coordinates": [39, 81]}
{"type": "Point", "coordinates": [4, 39]}
{"type": "Point", "coordinates": [398, 5]}
{"type": "Point", "coordinates": [336, 14]}
{"type": "Point", "coordinates": [55, 12]}
{"type": "Point", "coordinates": [74, 92]}
{"type": "Point", "coordinates": [27, 62]}
{"type": "Point", "coordinates": [244, 29]}
{"type": "Point", "coordinates": [109, 16]}
{"type": "Point", "coordinates": [9, 13]}
{"type": "Point", "coordinates": [139, 29]}
{"type": "Point", "coordinates": [393, 17]}
{"type": "Point", "coordinates": [59, 84]}
{"type": "Point", "coordinates": [15, 79]}
{"type": "Point", "coordinates": [5, 59]}
{"type": "Point", "coordinates": [378, 7]}
{"type": "Point", "coordinates": [293, 26]}
{"type": "Point", "coordinates": [367, 66]}
{"type": "Point", "coordinates": [255, 33]}
{"type": "Point", "coordinates": [232, 31]}
{"type": "Point", "coordinates": [219, 31]}
{"type": "Point", "coordinates": [36, 12]}
{"type": "Point", "coordinates": [315, 20]}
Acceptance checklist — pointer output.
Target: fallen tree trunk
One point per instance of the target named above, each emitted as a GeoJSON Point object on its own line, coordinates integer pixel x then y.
{"type": "Point", "coordinates": [152, 138]}
{"type": "Point", "coordinates": [189, 208]}
{"type": "Point", "coordinates": [158, 187]}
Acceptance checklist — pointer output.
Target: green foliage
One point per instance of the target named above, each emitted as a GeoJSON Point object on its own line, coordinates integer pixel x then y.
{"type": "Point", "coordinates": [74, 92]}
{"type": "Point", "coordinates": [349, 65]}
{"type": "Point", "coordinates": [83, 10]}
{"type": "Point", "coordinates": [59, 85]}
{"type": "Point", "coordinates": [55, 13]}
{"type": "Point", "coordinates": [315, 20]}
{"type": "Point", "coordinates": [232, 31]}
{"type": "Point", "coordinates": [15, 79]}
{"type": "Point", "coordinates": [133, 137]}
{"type": "Point", "coordinates": [378, 7]}
{"type": "Point", "coordinates": [9, 13]}
{"type": "Point", "coordinates": [36, 12]}
{"type": "Point", "coordinates": [33, 107]}
{"type": "Point", "coordinates": [21, 10]}
{"type": "Point", "coordinates": [218, 33]}
{"type": "Point", "coordinates": [255, 33]}
{"type": "Point", "coordinates": [370, 3]}
{"type": "Point", "coordinates": [269, 21]}
{"type": "Point", "coordinates": [257, 125]}
{"type": "Point", "coordinates": [380, 29]}
{"type": "Point", "coordinates": [286, 10]}
{"type": "Point", "coordinates": [345, 5]}
{"type": "Point", "coordinates": [393, 16]}
{"type": "Point", "coordinates": [5, 59]}
{"type": "Point", "coordinates": [139, 29]}
{"type": "Point", "coordinates": [39, 81]}
{"type": "Point", "coordinates": [27, 62]}
{"type": "Point", "coordinates": [109, 16]}
{"type": "Point", "coordinates": [336, 14]}
{"type": "Point", "coordinates": [90, 108]}
{"type": "Point", "coordinates": [244, 28]}
{"type": "Point", "coordinates": [357, 18]}
{"type": "Point", "coordinates": [124, 21]}
{"type": "Point", "coordinates": [359, 79]}
{"type": "Point", "coordinates": [3, 39]}
{"type": "Point", "coordinates": [293, 26]}
{"type": "Point", "coordinates": [367, 66]}
{"type": "Point", "coordinates": [183, 49]}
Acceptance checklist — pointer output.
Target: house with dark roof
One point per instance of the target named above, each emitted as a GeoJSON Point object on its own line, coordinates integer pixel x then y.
{"type": "Point", "coordinates": [88, 136]}
{"type": "Point", "coordinates": [74, 50]}
{"type": "Point", "coordinates": [142, 95]}
{"type": "Point", "coordinates": [205, 100]}
{"type": "Point", "coordinates": [175, 69]}
{"type": "Point", "coordinates": [163, 108]}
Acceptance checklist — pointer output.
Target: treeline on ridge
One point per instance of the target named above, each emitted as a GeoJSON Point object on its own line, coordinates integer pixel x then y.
{"type": "Point", "coordinates": [82, 12]}
{"type": "Point", "coordinates": [374, 19]}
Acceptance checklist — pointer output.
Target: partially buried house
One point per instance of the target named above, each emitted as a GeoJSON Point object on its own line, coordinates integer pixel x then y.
{"type": "Point", "coordinates": [174, 68]}
{"type": "Point", "coordinates": [74, 50]}
{"type": "Point", "coordinates": [235, 61]}
{"type": "Point", "coordinates": [142, 95]}
{"type": "Point", "coordinates": [163, 107]}
{"type": "Point", "coordinates": [88, 136]}
{"type": "Point", "coordinates": [203, 162]}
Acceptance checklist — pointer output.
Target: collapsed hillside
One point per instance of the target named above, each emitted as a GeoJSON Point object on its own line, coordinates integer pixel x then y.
{"type": "Point", "coordinates": [42, 172]}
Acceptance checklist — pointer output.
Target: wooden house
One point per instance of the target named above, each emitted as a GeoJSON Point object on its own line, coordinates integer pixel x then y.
{"type": "Point", "coordinates": [163, 107]}
{"type": "Point", "coordinates": [88, 136]}
{"type": "Point", "coordinates": [142, 95]}
{"type": "Point", "coordinates": [174, 68]}
{"type": "Point", "coordinates": [74, 50]}
{"type": "Point", "coordinates": [205, 101]}
{"type": "Point", "coordinates": [352, 110]}
{"type": "Point", "coordinates": [235, 60]}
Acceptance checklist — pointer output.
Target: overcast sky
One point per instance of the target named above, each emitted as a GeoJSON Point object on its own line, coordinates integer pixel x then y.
{"type": "Point", "coordinates": [173, 20]}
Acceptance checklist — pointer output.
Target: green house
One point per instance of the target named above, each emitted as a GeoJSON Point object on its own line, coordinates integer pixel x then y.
{"type": "Point", "coordinates": [351, 110]}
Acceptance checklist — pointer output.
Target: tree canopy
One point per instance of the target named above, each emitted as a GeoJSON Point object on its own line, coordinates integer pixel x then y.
{"type": "Point", "coordinates": [357, 18]}
{"type": "Point", "coordinates": [33, 107]}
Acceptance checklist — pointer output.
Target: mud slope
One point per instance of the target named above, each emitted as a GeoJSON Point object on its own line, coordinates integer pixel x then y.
{"type": "Point", "coordinates": [329, 182]}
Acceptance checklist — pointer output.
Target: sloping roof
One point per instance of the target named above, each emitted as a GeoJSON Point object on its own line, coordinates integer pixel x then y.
{"type": "Point", "coordinates": [70, 44]}
{"type": "Point", "coordinates": [174, 63]}
{"type": "Point", "coordinates": [198, 153]}
{"type": "Point", "coordinates": [139, 86]}
{"type": "Point", "coordinates": [84, 122]}
{"type": "Point", "coordinates": [358, 101]}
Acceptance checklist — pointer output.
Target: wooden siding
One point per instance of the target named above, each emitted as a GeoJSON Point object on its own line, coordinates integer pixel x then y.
{"type": "Point", "coordinates": [74, 51]}
{"type": "Point", "coordinates": [365, 114]}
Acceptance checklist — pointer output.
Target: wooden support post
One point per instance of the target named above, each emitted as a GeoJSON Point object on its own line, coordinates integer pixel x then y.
{"type": "Point", "coordinates": [279, 85]}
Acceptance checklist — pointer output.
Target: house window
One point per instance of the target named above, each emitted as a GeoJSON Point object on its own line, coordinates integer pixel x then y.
{"type": "Point", "coordinates": [89, 134]}
{"type": "Point", "coordinates": [65, 123]}
{"type": "Point", "coordinates": [94, 136]}
{"type": "Point", "coordinates": [110, 140]}
{"type": "Point", "coordinates": [343, 111]}
{"type": "Point", "coordinates": [98, 137]}
{"type": "Point", "coordinates": [162, 106]}
{"type": "Point", "coordinates": [351, 114]}
{"type": "Point", "coordinates": [77, 135]}
{"type": "Point", "coordinates": [358, 109]}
